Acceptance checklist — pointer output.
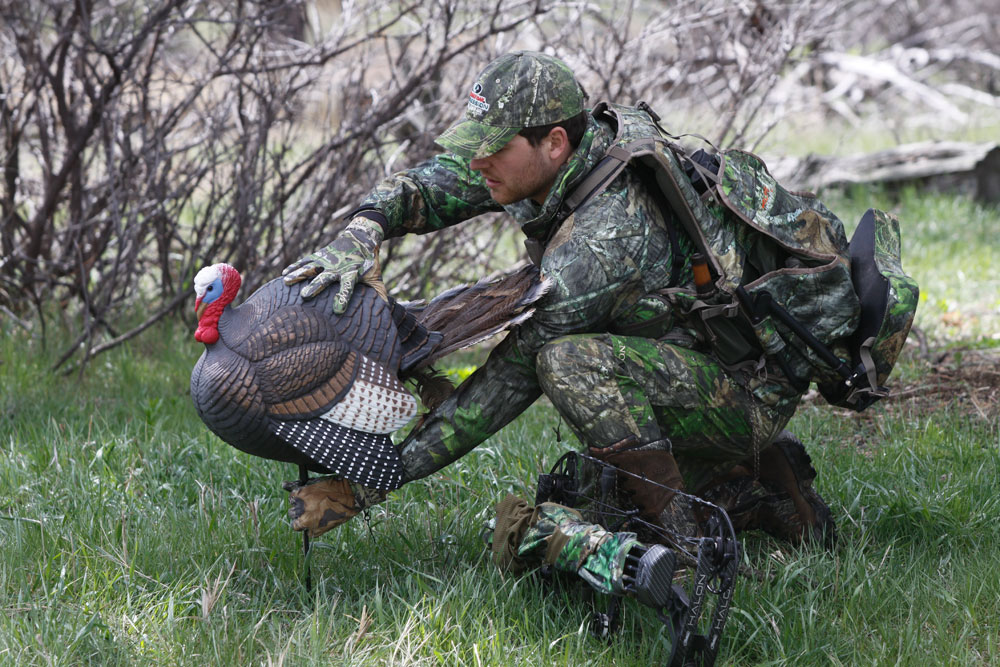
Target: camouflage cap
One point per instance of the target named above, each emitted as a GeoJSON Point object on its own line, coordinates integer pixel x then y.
{"type": "Point", "coordinates": [517, 90]}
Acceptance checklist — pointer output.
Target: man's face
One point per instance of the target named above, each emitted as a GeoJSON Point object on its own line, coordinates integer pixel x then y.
{"type": "Point", "coordinates": [518, 171]}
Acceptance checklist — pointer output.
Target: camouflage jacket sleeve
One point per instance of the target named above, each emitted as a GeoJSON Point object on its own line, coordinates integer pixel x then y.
{"type": "Point", "coordinates": [600, 263]}
{"type": "Point", "coordinates": [438, 193]}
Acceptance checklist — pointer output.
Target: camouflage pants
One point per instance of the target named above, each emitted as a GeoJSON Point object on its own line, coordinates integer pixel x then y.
{"type": "Point", "coordinates": [556, 535]}
{"type": "Point", "coordinates": [610, 387]}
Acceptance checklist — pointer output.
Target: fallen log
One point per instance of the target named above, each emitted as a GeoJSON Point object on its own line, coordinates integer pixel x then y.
{"type": "Point", "coordinates": [948, 166]}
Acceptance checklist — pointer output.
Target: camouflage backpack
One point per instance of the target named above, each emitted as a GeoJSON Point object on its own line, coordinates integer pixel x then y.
{"type": "Point", "coordinates": [782, 283]}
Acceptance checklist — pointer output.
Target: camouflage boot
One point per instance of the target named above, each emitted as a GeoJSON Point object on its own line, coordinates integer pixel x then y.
{"type": "Point", "coordinates": [323, 503]}
{"type": "Point", "coordinates": [780, 499]}
{"type": "Point", "coordinates": [650, 468]}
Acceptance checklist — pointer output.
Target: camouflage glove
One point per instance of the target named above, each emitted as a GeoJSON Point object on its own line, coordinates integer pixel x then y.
{"type": "Point", "coordinates": [324, 503]}
{"type": "Point", "coordinates": [350, 256]}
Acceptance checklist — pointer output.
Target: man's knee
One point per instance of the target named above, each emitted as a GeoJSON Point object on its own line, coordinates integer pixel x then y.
{"type": "Point", "coordinates": [554, 354]}
{"type": "Point", "coordinates": [572, 356]}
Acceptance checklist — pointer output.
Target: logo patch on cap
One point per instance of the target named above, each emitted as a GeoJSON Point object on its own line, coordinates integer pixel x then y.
{"type": "Point", "coordinates": [478, 103]}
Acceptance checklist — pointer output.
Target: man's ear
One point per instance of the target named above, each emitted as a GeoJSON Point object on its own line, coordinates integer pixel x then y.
{"type": "Point", "coordinates": [558, 145]}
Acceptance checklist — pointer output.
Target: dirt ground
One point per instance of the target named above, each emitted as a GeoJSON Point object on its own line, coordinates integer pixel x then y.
{"type": "Point", "coordinates": [963, 381]}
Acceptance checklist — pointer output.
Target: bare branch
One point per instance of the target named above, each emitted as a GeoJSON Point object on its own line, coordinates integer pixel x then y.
{"type": "Point", "coordinates": [138, 142]}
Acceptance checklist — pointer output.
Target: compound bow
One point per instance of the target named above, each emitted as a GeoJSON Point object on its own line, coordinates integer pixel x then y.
{"type": "Point", "coordinates": [592, 486]}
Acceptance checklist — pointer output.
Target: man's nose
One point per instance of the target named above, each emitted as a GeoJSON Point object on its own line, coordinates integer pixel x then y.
{"type": "Point", "coordinates": [478, 164]}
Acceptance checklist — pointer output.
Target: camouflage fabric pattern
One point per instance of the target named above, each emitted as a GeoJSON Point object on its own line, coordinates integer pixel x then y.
{"type": "Point", "coordinates": [565, 526]}
{"type": "Point", "coordinates": [609, 387]}
{"type": "Point", "coordinates": [605, 568]}
{"type": "Point", "coordinates": [817, 290]}
{"type": "Point", "coordinates": [729, 243]}
{"type": "Point", "coordinates": [885, 337]}
{"type": "Point", "coordinates": [433, 195]}
{"type": "Point", "coordinates": [734, 220]}
{"type": "Point", "coordinates": [584, 548]}
{"type": "Point", "coordinates": [517, 90]}
{"type": "Point", "coordinates": [351, 255]}
{"type": "Point", "coordinates": [904, 294]}
{"type": "Point", "coordinates": [601, 262]}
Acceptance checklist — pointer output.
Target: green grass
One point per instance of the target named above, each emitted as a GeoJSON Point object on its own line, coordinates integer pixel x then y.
{"type": "Point", "coordinates": [130, 535]}
{"type": "Point", "coordinates": [951, 247]}
{"type": "Point", "coordinates": [797, 133]}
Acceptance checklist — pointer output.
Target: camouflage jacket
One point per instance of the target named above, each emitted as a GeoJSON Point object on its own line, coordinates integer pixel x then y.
{"type": "Point", "coordinates": [604, 262]}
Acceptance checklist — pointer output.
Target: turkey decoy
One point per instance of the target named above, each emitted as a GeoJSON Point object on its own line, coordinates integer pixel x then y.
{"type": "Point", "coordinates": [285, 379]}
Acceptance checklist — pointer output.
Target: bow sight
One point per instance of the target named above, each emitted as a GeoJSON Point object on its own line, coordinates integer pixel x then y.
{"type": "Point", "coordinates": [593, 487]}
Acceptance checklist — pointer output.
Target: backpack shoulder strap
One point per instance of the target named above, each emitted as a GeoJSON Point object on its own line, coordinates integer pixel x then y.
{"type": "Point", "coordinates": [606, 170]}
{"type": "Point", "coordinates": [624, 150]}
{"type": "Point", "coordinates": [595, 182]}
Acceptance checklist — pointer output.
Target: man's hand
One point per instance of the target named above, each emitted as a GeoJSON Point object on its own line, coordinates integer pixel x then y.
{"type": "Point", "coordinates": [350, 256]}
{"type": "Point", "coordinates": [324, 503]}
